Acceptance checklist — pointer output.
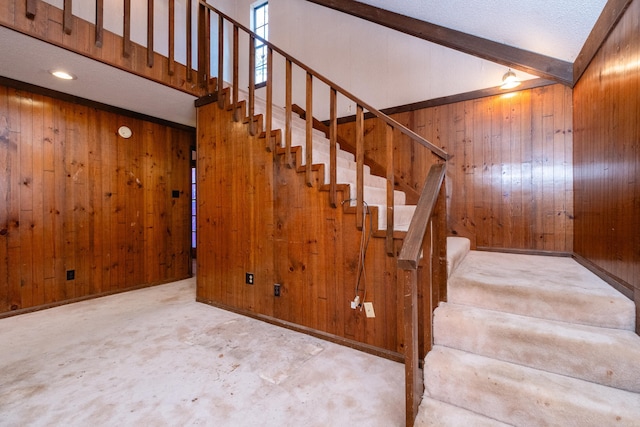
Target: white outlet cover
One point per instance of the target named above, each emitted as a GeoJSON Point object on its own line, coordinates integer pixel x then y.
{"type": "Point", "coordinates": [368, 309]}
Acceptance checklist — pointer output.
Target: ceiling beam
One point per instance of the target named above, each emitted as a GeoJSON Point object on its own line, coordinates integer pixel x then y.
{"type": "Point", "coordinates": [611, 14]}
{"type": "Point", "coordinates": [513, 57]}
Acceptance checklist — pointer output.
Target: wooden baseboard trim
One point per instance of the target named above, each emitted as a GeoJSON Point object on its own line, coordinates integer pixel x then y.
{"type": "Point", "coordinates": [525, 251]}
{"type": "Point", "coordinates": [366, 348]}
{"type": "Point", "coordinates": [620, 285]}
{"type": "Point", "coordinates": [85, 298]}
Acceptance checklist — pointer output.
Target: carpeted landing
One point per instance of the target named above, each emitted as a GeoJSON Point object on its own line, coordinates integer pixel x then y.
{"type": "Point", "coordinates": [155, 357]}
{"type": "Point", "coordinates": [531, 341]}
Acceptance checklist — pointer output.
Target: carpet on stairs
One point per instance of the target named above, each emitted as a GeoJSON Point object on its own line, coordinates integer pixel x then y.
{"type": "Point", "coordinates": [531, 340]}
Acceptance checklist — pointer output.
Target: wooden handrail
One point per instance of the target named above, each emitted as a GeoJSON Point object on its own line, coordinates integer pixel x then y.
{"type": "Point", "coordinates": [391, 122]}
{"type": "Point", "coordinates": [410, 254]}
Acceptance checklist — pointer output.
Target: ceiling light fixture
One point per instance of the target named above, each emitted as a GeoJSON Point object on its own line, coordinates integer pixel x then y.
{"type": "Point", "coordinates": [509, 80]}
{"type": "Point", "coordinates": [62, 75]}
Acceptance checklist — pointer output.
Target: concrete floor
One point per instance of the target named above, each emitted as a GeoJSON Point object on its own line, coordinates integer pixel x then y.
{"type": "Point", "coordinates": [155, 357]}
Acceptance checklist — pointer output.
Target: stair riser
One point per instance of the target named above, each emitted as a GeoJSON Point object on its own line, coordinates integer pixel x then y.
{"type": "Point", "coordinates": [566, 291]}
{"type": "Point", "coordinates": [522, 396]}
{"type": "Point", "coordinates": [604, 356]}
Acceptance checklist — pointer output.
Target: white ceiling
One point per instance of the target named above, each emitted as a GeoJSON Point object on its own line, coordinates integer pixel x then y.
{"type": "Point", "coordinates": [556, 28]}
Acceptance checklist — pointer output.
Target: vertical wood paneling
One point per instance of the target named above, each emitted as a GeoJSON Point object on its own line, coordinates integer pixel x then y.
{"type": "Point", "coordinates": [260, 218]}
{"type": "Point", "coordinates": [607, 154]}
{"type": "Point", "coordinates": [509, 183]}
{"type": "Point", "coordinates": [73, 198]}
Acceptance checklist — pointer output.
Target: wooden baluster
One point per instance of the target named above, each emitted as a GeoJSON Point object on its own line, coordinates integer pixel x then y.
{"type": "Point", "coordinates": [31, 9]}
{"type": "Point", "coordinates": [220, 61]}
{"type": "Point", "coordinates": [252, 84]}
{"type": "Point", "coordinates": [359, 167]}
{"type": "Point", "coordinates": [440, 250]}
{"type": "Point", "coordinates": [172, 31]}
{"type": "Point", "coordinates": [270, 144]}
{"type": "Point", "coordinates": [333, 147]}
{"type": "Point", "coordinates": [309, 131]}
{"type": "Point", "coordinates": [126, 30]}
{"type": "Point", "coordinates": [67, 17]}
{"type": "Point", "coordinates": [99, 22]}
{"type": "Point", "coordinates": [149, 33]}
{"type": "Point", "coordinates": [189, 39]}
{"type": "Point", "coordinates": [287, 127]}
{"type": "Point", "coordinates": [203, 46]}
{"type": "Point", "coordinates": [236, 50]}
{"type": "Point", "coordinates": [390, 189]}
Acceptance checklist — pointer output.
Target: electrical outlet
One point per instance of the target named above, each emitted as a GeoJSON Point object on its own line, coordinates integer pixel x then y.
{"type": "Point", "coordinates": [248, 278]}
{"type": "Point", "coordinates": [368, 309]}
{"type": "Point", "coordinates": [276, 290]}
{"type": "Point", "coordinates": [71, 274]}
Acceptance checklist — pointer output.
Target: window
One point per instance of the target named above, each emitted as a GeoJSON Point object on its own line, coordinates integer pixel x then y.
{"type": "Point", "coordinates": [261, 28]}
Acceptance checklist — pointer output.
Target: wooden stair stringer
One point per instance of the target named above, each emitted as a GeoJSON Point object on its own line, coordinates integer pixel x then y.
{"type": "Point", "coordinates": [300, 167]}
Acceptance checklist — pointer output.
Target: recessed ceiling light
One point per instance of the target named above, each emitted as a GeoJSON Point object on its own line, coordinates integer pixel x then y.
{"type": "Point", "coordinates": [63, 75]}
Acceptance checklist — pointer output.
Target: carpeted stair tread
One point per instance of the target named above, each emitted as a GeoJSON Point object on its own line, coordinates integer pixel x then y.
{"type": "Point", "coordinates": [434, 413]}
{"type": "Point", "coordinates": [602, 355]}
{"type": "Point", "coordinates": [546, 287]}
{"type": "Point", "coordinates": [523, 396]}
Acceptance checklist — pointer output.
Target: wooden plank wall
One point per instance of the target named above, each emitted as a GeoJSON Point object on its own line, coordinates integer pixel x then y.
{"type": "Point", "coordinates": [607, 155]}
{"type": "Point", "coordinates": [262, 218]}
{"type": "Point", "coordinates": [47, 25]}
{"type": "Point", "coordinates": [76, 196]}
{"type": "Point", "coordinates": [510, 181]}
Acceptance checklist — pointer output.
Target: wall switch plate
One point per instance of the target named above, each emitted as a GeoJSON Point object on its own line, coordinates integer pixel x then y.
{"type": "Point", "coordinates": [368, 309]}
{"type": "Point", "coordinates": [248, 278]}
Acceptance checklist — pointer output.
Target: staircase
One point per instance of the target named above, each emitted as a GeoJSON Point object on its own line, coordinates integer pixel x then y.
{"type": "Point", "coordinates": [531, 341]}
{"type": "Point", "coordinates": [375, 187]}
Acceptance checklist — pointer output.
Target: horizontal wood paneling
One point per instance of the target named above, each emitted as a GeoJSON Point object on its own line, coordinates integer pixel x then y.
{"type": "Point", "coordinates": [76, 196]}
{"type": "Point", "coordinates": [47, 25]}
{"type": "Point", "coordinates": [260, 217]}
{"type": "Point", "coordinates": [607, 154]}
{"type": "Point", "coordinates": [510, 181]}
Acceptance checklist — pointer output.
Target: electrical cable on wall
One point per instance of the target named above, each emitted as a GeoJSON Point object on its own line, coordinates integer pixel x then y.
{"type": "Point", "coordinates": [361, 274]}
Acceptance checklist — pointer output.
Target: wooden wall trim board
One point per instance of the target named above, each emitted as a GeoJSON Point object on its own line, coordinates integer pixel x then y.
{"type": "Point", "coordinates": [558, 254]}
{"type": "Point", "coordinates": [77, 197]}
{"type": "Point", "coordinates": [376, 351]}
{"type": "Point", "coordinates": [80, 299]}
{"type": "Point", "coordinates": [620, 285]}
{"type": "Point", "coordinates": [47, 25]}
{"type": "Point", "coordinates": [445, 100]}
{"type": "Point", "coordinates": [611, 14]}
{"type": "Point", "coordinates": [16, 84]}
{"type": "Point", "coordinates": [520, 59]}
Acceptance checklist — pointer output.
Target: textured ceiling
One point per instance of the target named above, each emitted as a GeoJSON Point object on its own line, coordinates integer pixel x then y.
{"type": "Point", "coordinates": [556, 28]}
